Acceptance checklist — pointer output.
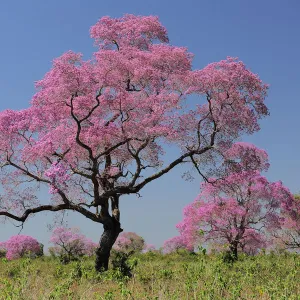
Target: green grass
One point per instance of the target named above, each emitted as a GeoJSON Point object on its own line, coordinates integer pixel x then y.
{"type": "Point", "coordinates": [176, 276]}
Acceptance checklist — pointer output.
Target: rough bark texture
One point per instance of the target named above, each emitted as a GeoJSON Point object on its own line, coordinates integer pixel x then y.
{"type": "Point", "coordinates": [112, 228]}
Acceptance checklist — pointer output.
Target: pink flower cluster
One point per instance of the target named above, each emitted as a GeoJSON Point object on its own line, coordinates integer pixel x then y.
{"type": "Point", "coordinates": [128, 31]}
{"type": "Point", "coordinates": [58, 176]}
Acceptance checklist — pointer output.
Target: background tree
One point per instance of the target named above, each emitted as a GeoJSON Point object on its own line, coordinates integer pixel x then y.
{"type": "Point", "coordinates": [288, 237]}
{"type": "Point", "coordinates": [129, 242]}
{"type": "Point", "coordinates": [96, 129]}
{"type": "Point", "coordinates": [239, 211]}
{"type": "Point", "coordinates": [149, 248]}
{"type": "Point", "coordinates": [19, 246]}
{"type": "Point", "coordinates": [176, 243]}
{"type": "Point", "coordinates": [70, 244]}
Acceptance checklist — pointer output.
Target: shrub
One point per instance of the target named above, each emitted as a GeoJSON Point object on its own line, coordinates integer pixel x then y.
{"type": "Point", "coordinates": [120, 262]}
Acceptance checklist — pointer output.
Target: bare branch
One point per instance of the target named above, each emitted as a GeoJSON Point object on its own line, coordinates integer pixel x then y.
{"type": "Point", "coordinates": [26, 172]}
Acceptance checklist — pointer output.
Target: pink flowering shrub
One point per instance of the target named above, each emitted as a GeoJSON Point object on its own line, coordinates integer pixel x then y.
{"type": "Point", "coordinates": [20, 245]}
{"type": "Point", "coordinates": [70, 244]}
{"type": "Point", "coordinates": [176, 243]}
{"type": "Point", "coordinates": [239, 212]}
{"type": "Point", "coordinates": [129, 242]}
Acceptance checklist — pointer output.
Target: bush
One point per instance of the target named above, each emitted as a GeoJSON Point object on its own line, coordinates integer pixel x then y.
{"type": "Point", "coordinates": [120, 262]}
{"type": "Point", "coordinates": [41, 251]}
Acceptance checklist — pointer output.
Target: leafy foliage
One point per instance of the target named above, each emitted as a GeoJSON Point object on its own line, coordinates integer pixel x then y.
{"type": "Point", "coordinates": [120, 262]}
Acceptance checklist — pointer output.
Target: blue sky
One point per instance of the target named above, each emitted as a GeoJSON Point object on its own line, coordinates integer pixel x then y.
{"type": "Point", "coordinates": [263, 34]}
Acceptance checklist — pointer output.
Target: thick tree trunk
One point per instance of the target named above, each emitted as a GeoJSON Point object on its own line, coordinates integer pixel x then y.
{"type": "Point", "coordinates": [112, 228]}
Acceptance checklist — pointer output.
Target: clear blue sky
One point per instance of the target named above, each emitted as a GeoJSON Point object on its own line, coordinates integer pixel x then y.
{"type": "Point", "coordinates": [263, 34]}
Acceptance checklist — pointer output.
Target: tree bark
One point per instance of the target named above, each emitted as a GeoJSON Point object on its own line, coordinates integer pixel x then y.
{"type": "Point", "coordinates": [112, 228]}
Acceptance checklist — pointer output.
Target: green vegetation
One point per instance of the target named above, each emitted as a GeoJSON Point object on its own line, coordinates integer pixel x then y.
{"type": "Point", "coordinates": [175, 276]}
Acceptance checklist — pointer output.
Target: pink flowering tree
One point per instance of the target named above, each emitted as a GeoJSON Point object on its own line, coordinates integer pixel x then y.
{"type": "Point", "coordinates": [288, 237]}
{"type": "Point", "coordinates": [20, 245]}
{"type": "Point", "coordinates": [176, 243]}
{"type": "Point", "coordinates": [129, 242]}
{"type": "Point", "coordinates": [70, 244]}
{"type": "Point", "coordinates": [148, 248]}
{"type": "Point", "coordinates": [239, 211]}
{"type": "Point", "coordinates": [96, 130]}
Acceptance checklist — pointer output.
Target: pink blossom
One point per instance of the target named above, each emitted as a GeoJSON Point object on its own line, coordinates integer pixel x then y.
{"type": "Point", "coordinates": [58, 176]}
{"type": "Point", "coordinates": [130, 30]}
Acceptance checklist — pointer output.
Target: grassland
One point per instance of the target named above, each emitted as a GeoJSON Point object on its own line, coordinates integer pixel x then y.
{"type": "Point", "coordinates": [176, 276]}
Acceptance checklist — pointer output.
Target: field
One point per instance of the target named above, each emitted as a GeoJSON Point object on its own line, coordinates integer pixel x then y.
{"type": "Point", "coordinates": [173, 276]}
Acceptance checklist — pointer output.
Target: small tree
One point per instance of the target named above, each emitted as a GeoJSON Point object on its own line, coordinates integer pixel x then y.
{"type": "Point", "coordinates": [239, 211]}
{"type": "Point", "coordinates": [176, 243]}
{"type": "Point", "coordinates": [149, 248]}
{"type": "Point", "coordinates": [129, 242]}
{"type": "Point", "coordinates": [96, 130]}
{"type": "Point", "coordinates": [21, 245]}
{"type": "Point", "coordinates": [70, 244]}
{"type": "Point", "coordinates": [289, 235]}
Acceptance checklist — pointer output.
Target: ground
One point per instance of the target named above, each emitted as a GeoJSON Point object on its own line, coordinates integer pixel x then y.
{"type": "Point", "coordinates": [174, 276]}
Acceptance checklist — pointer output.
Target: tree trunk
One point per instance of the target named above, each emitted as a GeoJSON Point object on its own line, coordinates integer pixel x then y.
{"type": "Point", "coordinates": [234, 250]}
{"type": "Point", "coordinates": [112, 228]}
